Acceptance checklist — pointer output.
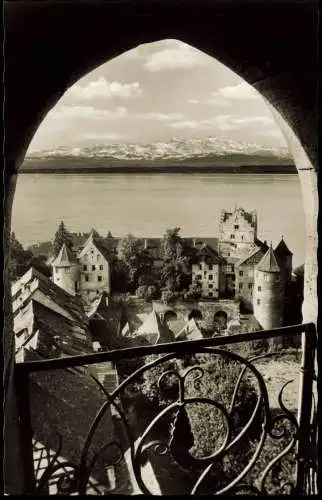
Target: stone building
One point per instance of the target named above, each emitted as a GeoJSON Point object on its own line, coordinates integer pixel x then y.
{"type": "Point", "coordinates": [85, 273]}
{"type": "Point", "coordinates": [245, 274]}
{"type": "Point", "coordinates": [207, 270]}
{"type": "Point", "coordinates": [268, 297]}
{"type": "Point", "coordinates": [237, 236]}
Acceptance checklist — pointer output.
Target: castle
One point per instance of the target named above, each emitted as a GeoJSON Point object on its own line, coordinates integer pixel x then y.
{"type": "Point", "coordinates": [85, 273]}
{"type": "Point", "coordinates": [237, 265]}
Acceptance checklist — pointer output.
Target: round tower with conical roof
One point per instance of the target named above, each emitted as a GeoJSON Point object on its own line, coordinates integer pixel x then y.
{"type": "Point", "coordinates": [268, 297]}
{"type": "Point", "coordinates": [66, 270]}
{"type": "Point", "coordinates": [284, 259]}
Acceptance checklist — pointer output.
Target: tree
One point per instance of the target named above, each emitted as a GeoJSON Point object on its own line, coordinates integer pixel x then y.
{"type": "Point", "coordinates": [194, 292]}
{"type": "Point", "coordinates": [21, 260]}
{"type": "Point", "coordinates": [136, 260]}
{"type": "Point", "coordinates": [174, 275]}
{"type": "Point", "coordinates": [62, 236]}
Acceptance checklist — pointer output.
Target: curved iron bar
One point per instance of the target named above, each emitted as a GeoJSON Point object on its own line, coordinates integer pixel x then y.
{"type": "Point", "coordinates": [274, 461]}
{"type": "Point", "coordinates": [289, 416]}
{"type": "Point", "coordinates": [168, 409]}
{"type": "Point", "coordinates": [160, 360]}
{"type": "Point", "coordinates": [242, 474]}
{"type": "Point", "coordinates": [136, 454]}
{"type": "Point", "coordinates": [43, 481]}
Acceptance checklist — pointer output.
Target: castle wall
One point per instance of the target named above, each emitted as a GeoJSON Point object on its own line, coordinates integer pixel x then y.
{"type": "Point", "coordinates": [67, 278]}
{"type": "Point", "coordinates": [268, 299]}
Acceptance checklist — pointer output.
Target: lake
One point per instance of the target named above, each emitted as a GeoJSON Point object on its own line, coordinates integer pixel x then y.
{"type": "Point", "coordinates": [148, 204]}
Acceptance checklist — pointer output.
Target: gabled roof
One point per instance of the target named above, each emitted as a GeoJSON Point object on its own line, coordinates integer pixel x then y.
{"type": "Point", "coordinates": [269, 263]}
{"type": "Point", "coordinates": [259, 249]}
{"type": "Point", "coordinates": [70, 303]}
{"type": "Point", "coordinates": [65, 257]}
{"type": "Point", "coordinates": [49, 329]}
{"type": "Point", "coordinates": [282, 251]}
{"type": "Point", "coordinates": [190, 331]}
{"type": "Point", "coordinates": [98, 243]}
{"type": "Point", "coordinates": [154, 330]}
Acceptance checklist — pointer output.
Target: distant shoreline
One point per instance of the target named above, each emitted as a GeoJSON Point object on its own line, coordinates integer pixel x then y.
{"type": "Point", "coordinates": [158, 169]}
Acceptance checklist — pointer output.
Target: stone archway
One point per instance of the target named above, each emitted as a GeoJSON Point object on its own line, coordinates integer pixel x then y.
{"type": "Point", "coordinates": [195, 314]}
{"type": "Point", "coordinates": [47, 50]}
{"type": "Point", "coordinates": [220, 320]}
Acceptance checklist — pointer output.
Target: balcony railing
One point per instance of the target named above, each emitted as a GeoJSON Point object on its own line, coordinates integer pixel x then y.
{"type": "Point", "coordinates": [236, 426]}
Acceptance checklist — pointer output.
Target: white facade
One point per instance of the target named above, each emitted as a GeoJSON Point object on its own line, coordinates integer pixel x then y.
{"type": "Point", "coordinates": [208, 276]}
{"type": "Point", "coordinates": [94, 272]}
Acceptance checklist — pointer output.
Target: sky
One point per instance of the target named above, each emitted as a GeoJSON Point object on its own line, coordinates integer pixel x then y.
{"type": "Point", "coordinates": [153, 93]}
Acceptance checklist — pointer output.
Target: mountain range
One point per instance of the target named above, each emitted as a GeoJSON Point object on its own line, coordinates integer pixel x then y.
{"type": "Point", "coordinates": [176, 148]}
{"type": "Point", "coordinates": [176, 155]}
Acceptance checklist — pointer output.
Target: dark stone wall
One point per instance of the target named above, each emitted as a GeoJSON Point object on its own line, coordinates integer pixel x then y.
{"type": "Point", "coordinates": [50, 45]}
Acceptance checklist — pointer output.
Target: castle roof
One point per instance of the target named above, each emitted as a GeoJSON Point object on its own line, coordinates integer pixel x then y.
{"type": "Point", "coordinates": [207, 252]}
{"type": "Point", "coordinates": [190, 331]}
{"type": "Point", "coordinates": [98, 242]}
{"type": "Point", "coordinates": [56, 295]}
{"type": "Point", "coordinates": [282, 251]}
{"type": "Point", "coordinates": [48, 328]}
{"type": "Point", "coordinates": [260, 247]}
{"type": "Point", "coordinates": [65, 258]}
{"type": "Point", "coordinates": [154, 330]}
{"type": "Point", "coordinates": [268, 263]}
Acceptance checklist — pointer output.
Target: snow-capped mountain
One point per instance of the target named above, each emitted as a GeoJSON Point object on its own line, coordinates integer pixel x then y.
{"type": "Point", "coordinates": [176, 148]}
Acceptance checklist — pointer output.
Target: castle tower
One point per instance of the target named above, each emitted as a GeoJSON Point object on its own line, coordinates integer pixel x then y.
{"type": "Point", "coordinates": [268, 297]}
{"type": "Point", "coordinates": [284, 259]}
{"type": "Point", "coordinates": [66, 271]}
{"type": "Point", "coordinates": [237, 232]}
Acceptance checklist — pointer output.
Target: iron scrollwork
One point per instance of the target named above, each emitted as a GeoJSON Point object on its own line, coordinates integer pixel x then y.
{"type": "Point", "coordinates": [180, 438]}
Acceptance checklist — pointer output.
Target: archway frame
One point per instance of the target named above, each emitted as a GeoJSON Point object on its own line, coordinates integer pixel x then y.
{"type": "Point", "coordinates": [248, 37]}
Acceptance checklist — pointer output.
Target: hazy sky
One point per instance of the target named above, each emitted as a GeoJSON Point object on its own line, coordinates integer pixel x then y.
{"type": "Point", "coordinates": [154, 92]}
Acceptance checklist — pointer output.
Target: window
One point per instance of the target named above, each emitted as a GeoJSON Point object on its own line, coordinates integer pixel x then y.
{"type": "Point", "coordinates": [242, 237]}
{"type": "Point", "coordinates": [233, 278]}
{"type": "Point", "coordinates": [210, 277]}
{"type": "Point", "coordinates": [232, 236]}
{"type": "Point", "coordinates": [250, 286]}
{"type": "Point", "coordinates": [240, 286]}
{"type": "Point", "coordinates": [210, 294]}
{"type": "Point", "coordinates": [211, 286]}
{"type": "Point", "coordinates": [259, 288]}
{"type": "Point", "coordinates": [236, 226]}
{"type": "Point", "coordinates": [241, 273]}
{"type": "Point", "coordinates": [99, 278]}
{"type": "Point", "coordinates": [86, 257]}
{"type": "Point", "coordinates": [98, 257]}
{"type": "Point", "coordinates": [210, 267]}
{"type": "Point", "coordinates": [101, 267]}
{"type": "Point", "coordinates": [86, 277]}
{"type": "Point", "coordinates": [205, 273]}
{"type": "Point", "coordinates": [258, 301]}
{"type": "Point", "coordinates": [199, 276]}
{"type": "Point", "coordinates": [200, 266]}
{"type": "Point", "coordinates": [85, 268]}
{"type": "Point", "coordinates": [93, 268]}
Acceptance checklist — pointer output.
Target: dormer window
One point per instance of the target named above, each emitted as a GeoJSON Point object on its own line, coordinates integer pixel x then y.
{"type": "Point", "coordinates": [236, 226]}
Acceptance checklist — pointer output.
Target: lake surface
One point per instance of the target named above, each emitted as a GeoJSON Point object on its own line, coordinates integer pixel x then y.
{"type": "Point", "coordinates": [148, 204]}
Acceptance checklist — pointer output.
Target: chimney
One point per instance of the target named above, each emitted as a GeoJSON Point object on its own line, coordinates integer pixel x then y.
{"type": "Point", "coordinates": [145, 244]}
{"type": "Point", "coordinates": [194, 242]}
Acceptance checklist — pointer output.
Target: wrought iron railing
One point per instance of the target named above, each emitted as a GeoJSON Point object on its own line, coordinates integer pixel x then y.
{"type": "Point", "coordinates": [183, 376]}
